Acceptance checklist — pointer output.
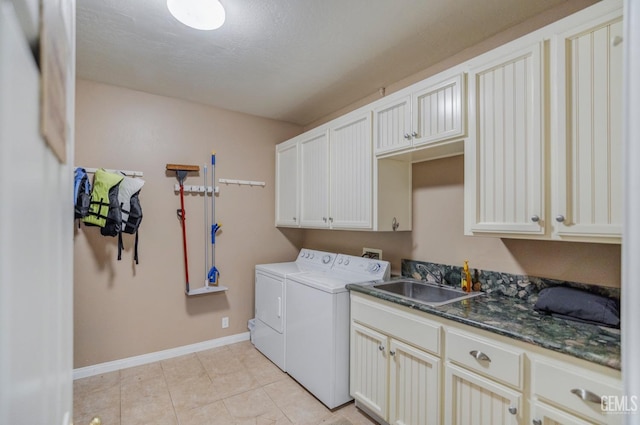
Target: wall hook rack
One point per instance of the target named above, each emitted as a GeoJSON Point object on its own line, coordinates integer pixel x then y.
{"type": "Point", "coordinates": [242, 182]}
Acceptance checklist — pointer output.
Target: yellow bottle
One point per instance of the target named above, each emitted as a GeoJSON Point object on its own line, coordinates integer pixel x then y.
{"type": "Point", "coordinates": [466, 282]}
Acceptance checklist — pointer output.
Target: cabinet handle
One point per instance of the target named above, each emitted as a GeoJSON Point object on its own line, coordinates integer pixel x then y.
{"type": "Point", "coordinates": [587, 395]}
{"type": "Point", "coordinates": [324, 219]}
{"type": "Point", "coordinates": [513, 410]}
{"type": "Point", "coordinates": [535, 218]}
{"type": "Point", "coordinates": [381, 347]}
{"type": "Point", "coordinates": [294, 219]}
{"type": "Point", "coordinates": [616, 40]}
{"type": "Point", "coordinates": [414, 134]}
{"type": "Point", "coordinates": [407, 136]}
{"type": "Point", "coordinates": [393, 353]}
{"type": "Point", "coordinates": [331, 219]}
{"type": "Point", "coordinates": [479, 355]}
{"type": "Point", "coordinates": [536, 422]}
{"type": "Point", "coordinates": [560, 218]}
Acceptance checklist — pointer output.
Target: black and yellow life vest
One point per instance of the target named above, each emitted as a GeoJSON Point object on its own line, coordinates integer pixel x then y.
{"type": "Point", "coordinates": [104, 197]}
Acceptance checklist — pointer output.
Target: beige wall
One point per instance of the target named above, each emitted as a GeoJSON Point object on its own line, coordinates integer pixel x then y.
{"type": "Point", "coordinates": [437, 236]}
{"type": "Point", "coordinates": [122, 309]}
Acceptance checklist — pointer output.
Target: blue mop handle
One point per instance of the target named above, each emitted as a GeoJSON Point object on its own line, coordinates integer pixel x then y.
{"type": "Point", "coordinates": [214, 230]}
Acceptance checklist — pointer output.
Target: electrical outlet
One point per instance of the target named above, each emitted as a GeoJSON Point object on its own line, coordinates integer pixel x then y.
{"type": "Point", "coordinates": [225, 322]}
{"type": "Point", "coordinates": [376, 254]}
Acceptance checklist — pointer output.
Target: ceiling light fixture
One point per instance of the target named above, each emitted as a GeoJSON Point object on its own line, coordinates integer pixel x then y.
{"type": "Point", "coordinates": [198, 14]}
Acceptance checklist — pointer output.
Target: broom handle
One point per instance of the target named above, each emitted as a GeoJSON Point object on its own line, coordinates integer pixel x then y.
{"type": "Point", "coordinates": [184, 235]}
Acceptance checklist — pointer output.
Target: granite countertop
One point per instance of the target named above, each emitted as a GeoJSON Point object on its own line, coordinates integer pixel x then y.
{"type": "Point", "coordinates": [516, 319]}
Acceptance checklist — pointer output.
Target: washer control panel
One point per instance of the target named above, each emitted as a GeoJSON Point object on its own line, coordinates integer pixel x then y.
{"type": "Point", "coordinates": [316, 258]}
{"type": "Point", "coordinates": [370, 269]}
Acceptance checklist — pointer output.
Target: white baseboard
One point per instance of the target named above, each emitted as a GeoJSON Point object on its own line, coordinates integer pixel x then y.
{"type": "Point", "coordinates": [101, 368]}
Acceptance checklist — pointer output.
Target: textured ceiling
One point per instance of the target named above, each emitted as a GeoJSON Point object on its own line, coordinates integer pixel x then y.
{"type": "Point", "coordinates": [291, 60]}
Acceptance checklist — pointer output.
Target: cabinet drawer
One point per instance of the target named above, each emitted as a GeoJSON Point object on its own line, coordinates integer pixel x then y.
{"type": "Point", "coordinates": [499, 362]}
{"type": "Point", "coordinates": [403, 325]}
{"type": "Point", "coordinates": [579, 391]}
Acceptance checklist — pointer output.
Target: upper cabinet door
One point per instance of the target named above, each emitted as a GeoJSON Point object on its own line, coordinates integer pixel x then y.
{"type": "Point", "coordinates": [587, 127]}
{"type": "Point", "coordinates": [287, 184]}
{"type": "Point", "coordinates": [438, 111]}
{"type": "Point", "coordinates": [314, 178]}
{"type": "Point", "coordinates": [504, 170]}
{"type": "Point", "coordinates": [392, 124]}
{"type": "Point", "coordinates": [351, 172]}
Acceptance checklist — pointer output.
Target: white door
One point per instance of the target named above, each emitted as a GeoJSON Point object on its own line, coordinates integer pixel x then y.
{"type": "Point", "coordinates": [588, 128]}
{"type": "Point", "coordinates": [414, 386]}
{"type": "Point", "coordinates": [269, 299]}
{"type": "Point", "coordinates": [474, 400]}
{"type": "Point", "coordinates": [438, 111]}
{"type": "Point", "coordinates": [351, 173]}
{"type": "Point", "coordinates": [287, 184]}
{"type": "Point", "coordinates": [504, 161]}
{"type": "Point", "coordinates": [369, 366]}
{"type": "Point", "coordinates": [392, 124]}
{"type": "Point", "coordinates": [314, 180]}
{"type": "Point", "coordinates": [36, 241]}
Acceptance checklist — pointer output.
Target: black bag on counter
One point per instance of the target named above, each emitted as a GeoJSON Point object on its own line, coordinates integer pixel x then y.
{"type": "Point", "coordinates": [575, 304]}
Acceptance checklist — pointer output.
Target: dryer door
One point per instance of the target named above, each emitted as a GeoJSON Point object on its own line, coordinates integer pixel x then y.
{"type": "Point", "coordinates": [270, 301]}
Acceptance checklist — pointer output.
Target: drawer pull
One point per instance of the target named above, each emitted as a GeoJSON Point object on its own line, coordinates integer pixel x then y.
{"type": "Point", "coordinates": [479, 355]}
{"type": "Point", "coordinates": [513, 410]}
{"type": "Point", "coordinates": [381, 347]}
{"type": "Point", "coordinates": [587, 395]}
{"type": "Point", "coordinates": [393, 353]}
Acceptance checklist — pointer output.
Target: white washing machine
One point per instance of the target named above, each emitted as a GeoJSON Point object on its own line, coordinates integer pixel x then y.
{"type": "Point", "coordinates": [317, 323]}
{"type": "Point", "coordinates": [270, 297]}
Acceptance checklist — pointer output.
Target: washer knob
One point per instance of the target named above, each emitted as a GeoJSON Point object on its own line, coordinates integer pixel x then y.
{"type": "Point", "coordinates": [311, 256]}
{"type": "Point", "coordinates": [326, 259]}
{"type": "Point", "coordinates": [346, 261]}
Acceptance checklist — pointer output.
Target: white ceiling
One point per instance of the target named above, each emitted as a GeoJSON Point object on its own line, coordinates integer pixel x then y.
{"type": "Point", "coordinates": [291, 60]}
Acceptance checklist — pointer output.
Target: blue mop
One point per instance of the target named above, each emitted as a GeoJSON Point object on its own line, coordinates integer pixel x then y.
{"type": "Point", "coordinates": [213, 274]}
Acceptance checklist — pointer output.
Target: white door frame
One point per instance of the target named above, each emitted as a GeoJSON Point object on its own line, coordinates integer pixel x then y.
{"type": "Point", "coordinates": [631, 229]}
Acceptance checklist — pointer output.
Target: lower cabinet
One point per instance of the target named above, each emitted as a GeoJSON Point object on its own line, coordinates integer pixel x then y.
{"type": "Point", "coordinates": [471, 399]}
{"type": "Point", "coordinates": [397, 382]}
{"type": "Point", "coordinates": [575, 392]}
{"type": "Point", "coordinates": [403, 373]}
{"type": "Point", "coordinates": [543, 414]}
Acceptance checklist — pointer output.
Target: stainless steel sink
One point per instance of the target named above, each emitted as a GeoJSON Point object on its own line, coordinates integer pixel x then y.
{"type": "Point", "coordinates": [424, 292]}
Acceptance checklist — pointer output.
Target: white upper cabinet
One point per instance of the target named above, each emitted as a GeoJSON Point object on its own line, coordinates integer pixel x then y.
{"type": "Point", "coordinates": [392, 124]}
{"type": "Point", "coordinates": [543, 159]}
{"type": "Point", "coordinates": [504, 168]}
{"type": "Point", "coordinates": [426, 113]}
{"type": "Point", "coordinates": [327, 178]}
{"type": "Point", "coordinates": [438, 111]}
{"type": "Point", "coordinates": [351, 162]}
{"type": "Point", "coordinates": [314, 179]}
{"type": "Point", "coordinates": [587, 131]}
{"type": "Point", "coordinates": [287, 184]}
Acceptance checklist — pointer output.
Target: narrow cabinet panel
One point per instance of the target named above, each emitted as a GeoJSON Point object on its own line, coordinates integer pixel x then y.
{"type": "Point", "coordinates": [368, 369]}
{"type": "Point", "coordinates": [504, 154]}
{"type": "Point", "coordinates": [414, 386]}
{"type": "Point", "coordinates": [588, 131]}
{"type": "Point", "coordinates": [392, 124]}
{"type": "Point", "coordinates": [438, 111]}
{"type": "Point", "coordinates": [314, 178]}
{"type": "Point", "coordinates": [287, 184]}
{"type": "Point", "coordinates": [351, 167]}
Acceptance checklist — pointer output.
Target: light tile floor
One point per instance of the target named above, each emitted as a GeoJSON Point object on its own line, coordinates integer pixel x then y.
{"type": "Point", "coordinates": [231, 385]}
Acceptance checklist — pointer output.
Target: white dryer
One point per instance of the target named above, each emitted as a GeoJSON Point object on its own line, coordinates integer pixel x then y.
{"type": "Point", "coordinates": [270, 300]}
{"type": "Point", "coordinates": [317, 322]}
